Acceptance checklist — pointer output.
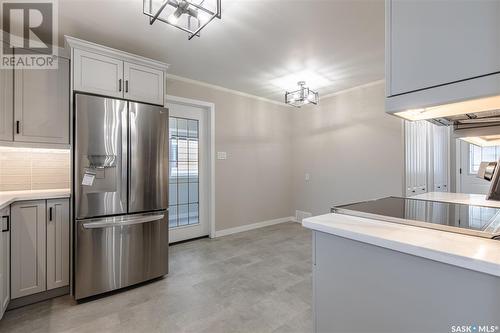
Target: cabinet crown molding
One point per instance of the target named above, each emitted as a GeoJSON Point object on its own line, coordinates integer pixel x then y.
{"type": "Point", "coordinates": [75, 43]}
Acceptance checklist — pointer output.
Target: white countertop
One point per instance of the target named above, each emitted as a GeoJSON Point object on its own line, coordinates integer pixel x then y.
{"type": "Point", "coordinates": [474, 253]}
{"type": "Point", "coordinates": [460, 198]}
{"type": "Point", "coordinates": [8, 197]}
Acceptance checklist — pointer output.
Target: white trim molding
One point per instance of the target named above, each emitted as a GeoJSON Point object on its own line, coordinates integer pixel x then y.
{"type": "Point", "coordinates": [247, 227]}
{"type": "Point", "coordinates": [210, 107]}
{"type": "Point", "coordinates": [340, 92]}
{"type": "Point", "coordinates": [240, 93]}
{"type": "Point", "coordinates": [216, 87]}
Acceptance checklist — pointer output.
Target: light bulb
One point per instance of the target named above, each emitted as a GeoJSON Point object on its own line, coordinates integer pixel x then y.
{"type": "Point", "coordinates": [203, 17]}
{"type": "Point", "coordinates": [172, 19]}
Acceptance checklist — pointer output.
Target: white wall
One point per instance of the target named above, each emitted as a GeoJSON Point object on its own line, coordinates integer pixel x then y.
{"type": "Point", "coordinates": [254, 184]}
{"type": "Point", "coordinates": [351, 148]}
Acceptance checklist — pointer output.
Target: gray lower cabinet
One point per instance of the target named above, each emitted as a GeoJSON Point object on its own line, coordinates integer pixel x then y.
{"type": "Point", "coordinates": [40, 246]}
{"type": "Point", "coordinates": [57, 243]}
{"type": "Point", "coordinates": [4, 259]}
{"type": "Point", "coordinates": [28, 275]}
{"type": "Point", "coordinates": [360, 287]}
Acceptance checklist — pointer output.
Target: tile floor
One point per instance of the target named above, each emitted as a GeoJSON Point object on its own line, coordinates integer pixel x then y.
{"type": "Point", "coordinates": [255, 281]}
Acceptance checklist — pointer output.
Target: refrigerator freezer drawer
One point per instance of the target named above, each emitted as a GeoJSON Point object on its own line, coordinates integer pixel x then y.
{"type": "Point", "coordinates": [117, 252]}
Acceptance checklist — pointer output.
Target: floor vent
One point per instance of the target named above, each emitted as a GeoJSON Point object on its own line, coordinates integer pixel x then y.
{"type": "Point", "coordinates": [300, 215]}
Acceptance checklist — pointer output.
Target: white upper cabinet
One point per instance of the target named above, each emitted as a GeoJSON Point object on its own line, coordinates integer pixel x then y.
{"type": "Point", "coordinates": [41, 105]}
{"type": "Point", "coordinates": [97, 74]}
{"type": "Point", "coordinates": [35, 105]}
{"type": "Point", "coordinates": [108, 72]}
{"type": "Point", "coordinates": [416, 157]}
{"type": "Point", "coordinates": [6, 104]}
{"type": "Point", "coordinates": [440, 146]}
{"type": "Point", "coordinates": [441, 51]}
{"type": "Point", "coordinates": [143, 84]}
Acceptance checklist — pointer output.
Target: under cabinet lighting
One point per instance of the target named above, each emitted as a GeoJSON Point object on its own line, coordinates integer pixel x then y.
{"type": "Point", "coordinates": [452, 109]}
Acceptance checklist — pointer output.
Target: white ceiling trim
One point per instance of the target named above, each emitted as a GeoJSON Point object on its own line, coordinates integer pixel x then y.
{"type": "Point", "coordinates": [216, 87]}
{"type": "Point", "coordinates": [240, 93]}
{"type": "Point", "coordinates": [366, 85]}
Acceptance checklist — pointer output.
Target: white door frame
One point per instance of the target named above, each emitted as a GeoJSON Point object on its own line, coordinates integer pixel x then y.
{"type": "Point", "coordinates": [210, 108]}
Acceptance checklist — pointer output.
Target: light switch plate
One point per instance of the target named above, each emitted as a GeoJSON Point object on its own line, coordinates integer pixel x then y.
{"type": "Point", "coordinates": [221, 155]}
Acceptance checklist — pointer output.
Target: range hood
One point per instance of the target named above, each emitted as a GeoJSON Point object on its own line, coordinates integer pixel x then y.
{"type": "Point", "coordinates": [476, 121]}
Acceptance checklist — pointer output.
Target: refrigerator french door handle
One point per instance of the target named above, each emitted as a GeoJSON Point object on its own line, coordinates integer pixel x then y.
{"type": "Point", "coordinates": [144, 219]}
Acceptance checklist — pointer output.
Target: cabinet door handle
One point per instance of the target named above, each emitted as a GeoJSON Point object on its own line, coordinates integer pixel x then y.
{"type": "Point", "coordinates": [126, 86]}
{"type": "Point", "coordinates": [50, 214]}
{"type": "Point", "coordinates": [18, 125]}
{"type": "Point", "coordinates": [8, 223]}
{"type": "Point", "coordinates": [120, 85]}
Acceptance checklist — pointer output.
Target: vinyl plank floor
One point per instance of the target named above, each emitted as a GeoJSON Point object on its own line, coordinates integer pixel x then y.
{"type": "Point", "coordinates": [255, 281]}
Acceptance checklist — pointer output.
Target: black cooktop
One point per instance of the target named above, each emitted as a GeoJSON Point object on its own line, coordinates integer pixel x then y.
{"type": "Point", "coordinates": [466, 219]}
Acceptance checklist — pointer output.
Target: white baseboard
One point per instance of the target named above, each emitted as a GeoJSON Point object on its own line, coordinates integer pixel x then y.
{"type": "Point", "coordinates": [252, 226]}
{"type": "Point", "coordinates": [300, 215]}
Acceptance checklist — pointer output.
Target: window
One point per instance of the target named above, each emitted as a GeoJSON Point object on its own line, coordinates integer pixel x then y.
{"type": "Point", "coordinates": [183, 194]}
{"type": "Point", "coordinates": [481, 154]}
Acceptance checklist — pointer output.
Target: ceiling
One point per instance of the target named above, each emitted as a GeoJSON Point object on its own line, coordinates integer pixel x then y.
{"type": "Point", "coordinates": [256, 45]}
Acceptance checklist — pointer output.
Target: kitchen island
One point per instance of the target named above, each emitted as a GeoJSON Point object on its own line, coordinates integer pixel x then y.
{"type": "Point", "coordinates": [376, 276]}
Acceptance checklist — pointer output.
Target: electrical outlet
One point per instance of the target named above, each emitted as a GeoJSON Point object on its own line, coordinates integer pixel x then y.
{"type": "Point", "coordinates": [221, 155]}
{"type": "Point", "coordinates": [307, 177]}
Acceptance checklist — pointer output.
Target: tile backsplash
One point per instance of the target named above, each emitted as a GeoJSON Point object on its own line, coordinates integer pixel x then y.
{"type": "Point", "coordinates": [34, 169]}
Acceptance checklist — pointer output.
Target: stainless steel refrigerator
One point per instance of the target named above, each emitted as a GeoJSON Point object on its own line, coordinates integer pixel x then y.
{"type": "Point", "coordinates": [121, 188]}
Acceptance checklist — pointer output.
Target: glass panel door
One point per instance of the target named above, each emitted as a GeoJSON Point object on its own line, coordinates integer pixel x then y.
{"type": "Point", "coordinates": [183, 172]}
{"type": "Point", "coordinates": [189, 172]}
